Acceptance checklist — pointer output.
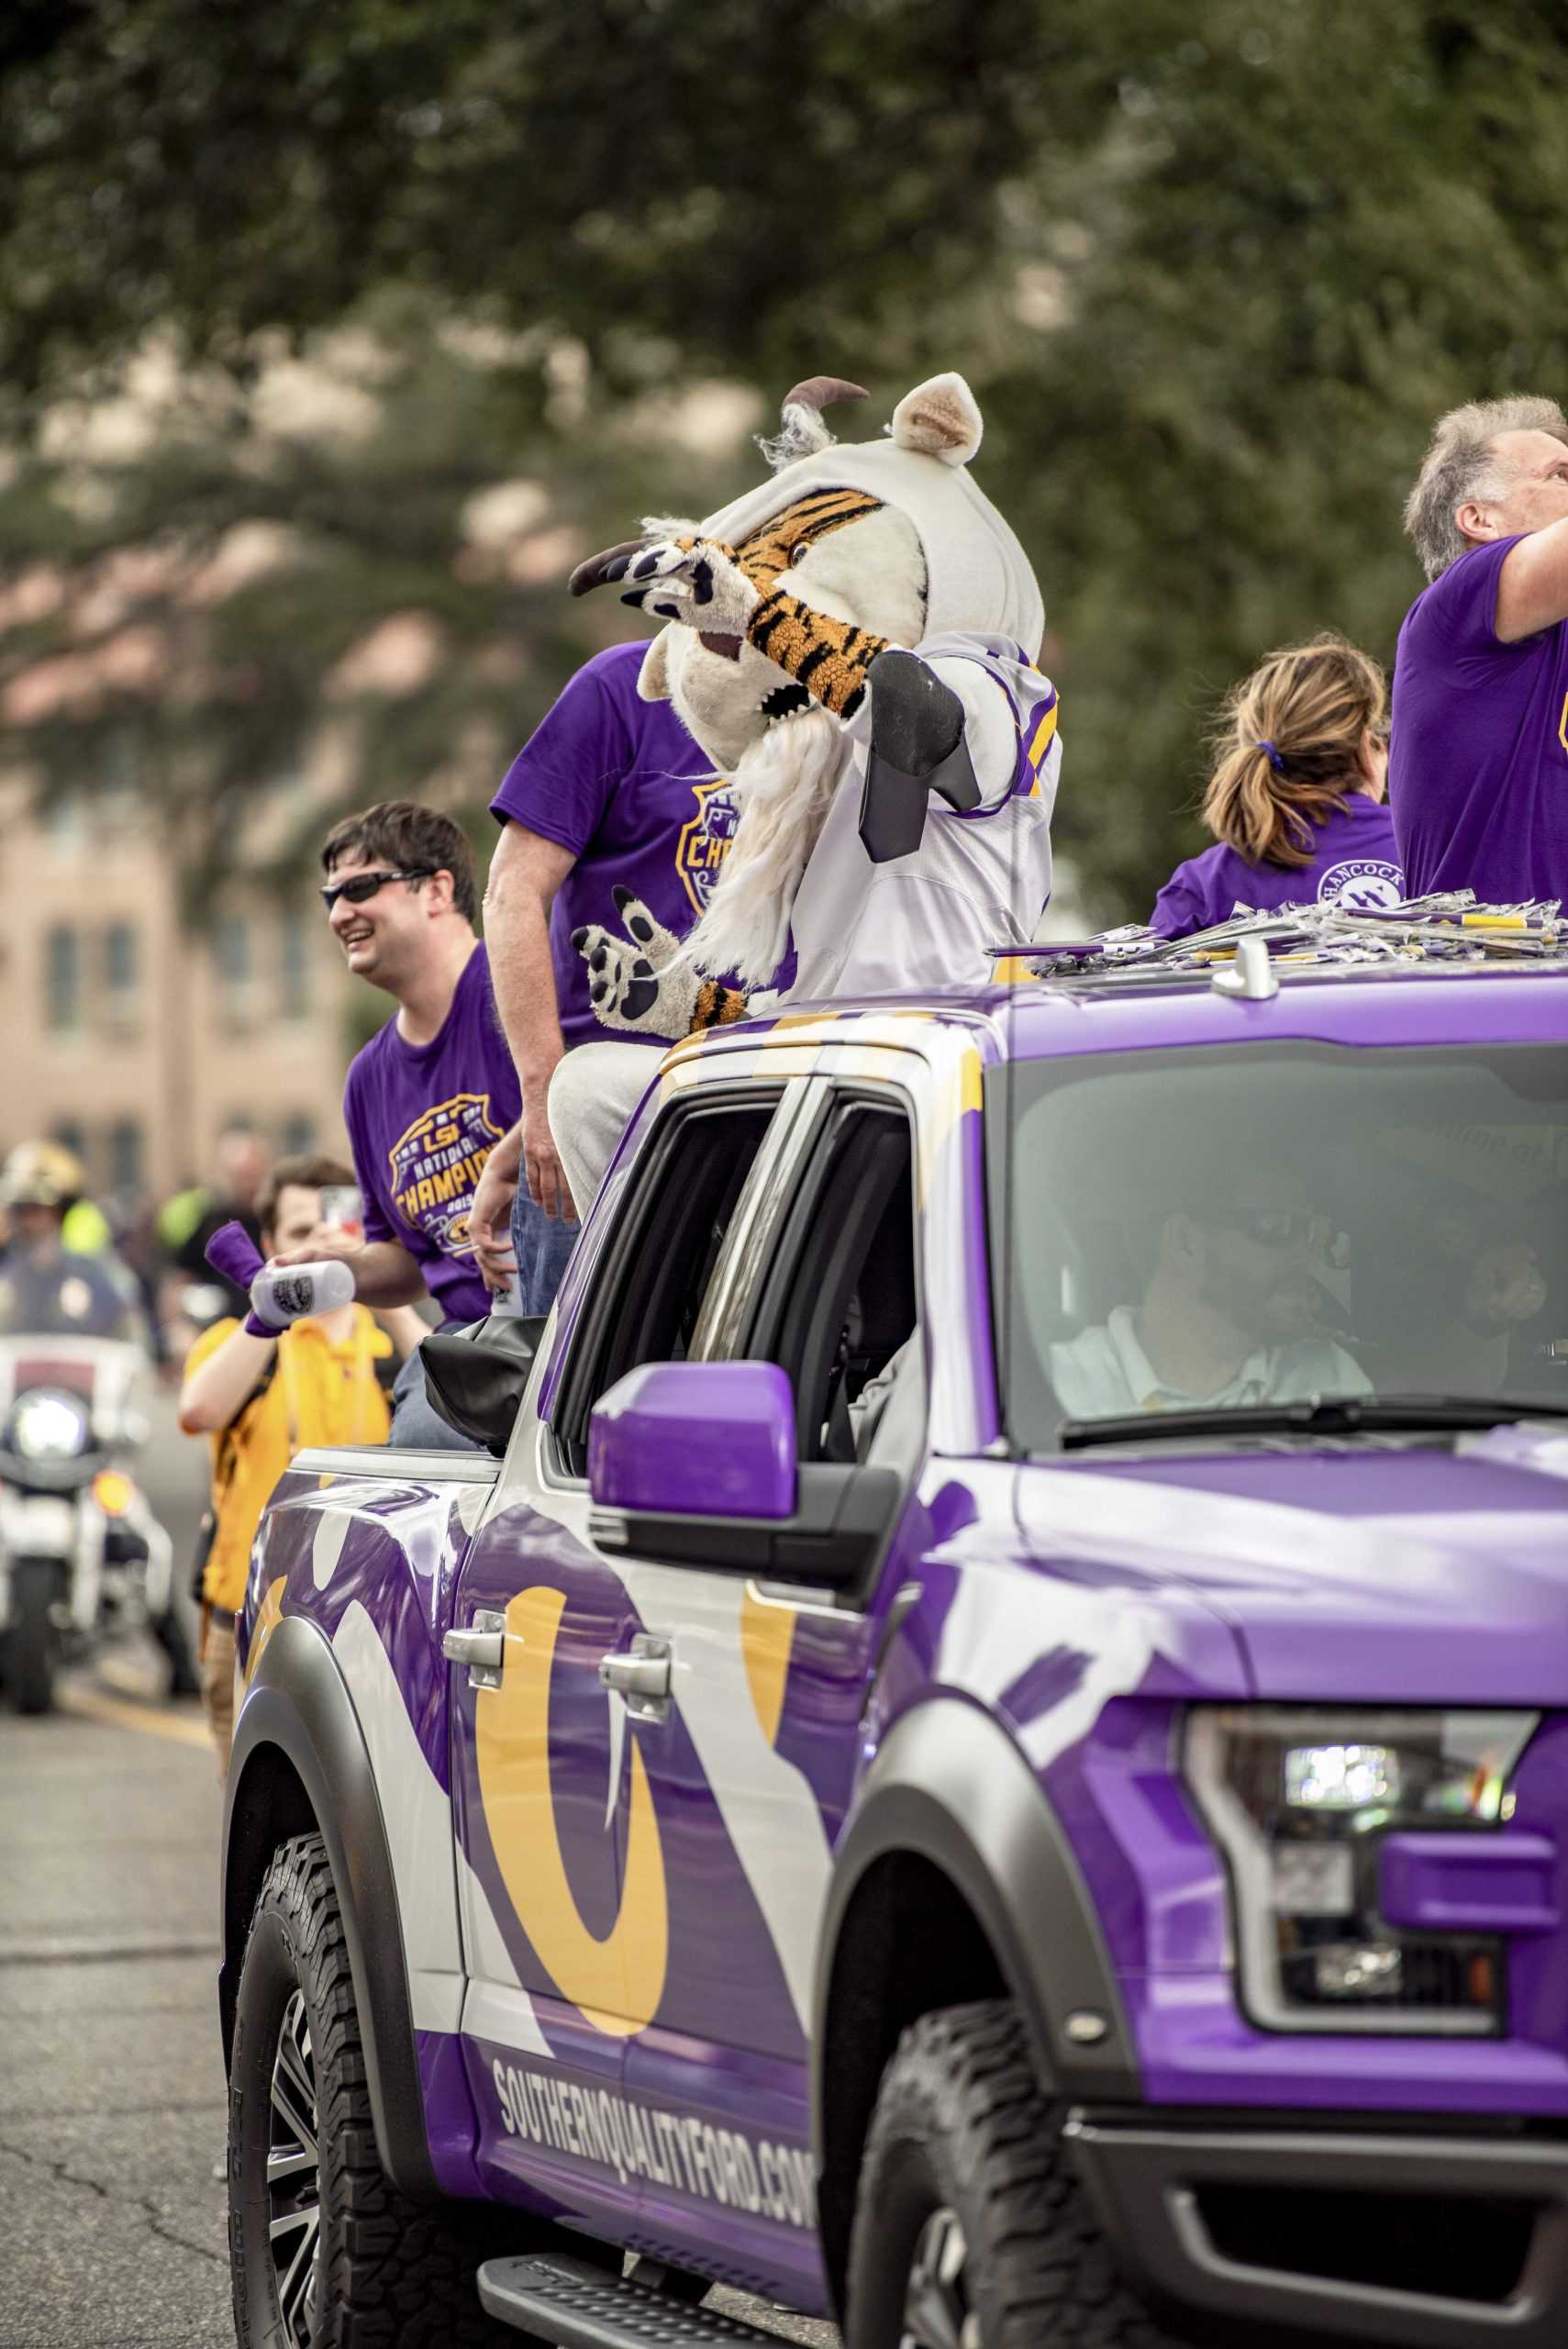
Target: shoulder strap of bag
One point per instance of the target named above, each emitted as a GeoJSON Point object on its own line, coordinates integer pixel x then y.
{"type": "Point", "coordinates": [226, 1461]}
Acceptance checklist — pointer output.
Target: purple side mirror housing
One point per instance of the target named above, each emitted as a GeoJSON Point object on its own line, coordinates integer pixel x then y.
{"type": "Point", "coordinates": [648, 1435]}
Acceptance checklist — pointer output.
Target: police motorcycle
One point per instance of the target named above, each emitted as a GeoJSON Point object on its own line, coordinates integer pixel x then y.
{"type": "Point", "coordinates": [83, 1557]}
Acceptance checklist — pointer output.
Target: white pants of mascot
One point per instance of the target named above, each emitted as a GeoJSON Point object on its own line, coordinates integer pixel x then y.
{"type": "Point", "coordinates": [925, 922]}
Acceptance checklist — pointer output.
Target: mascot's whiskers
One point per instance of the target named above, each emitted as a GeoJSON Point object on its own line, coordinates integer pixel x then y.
{"type": "Point", "coordinates": [785, 785]}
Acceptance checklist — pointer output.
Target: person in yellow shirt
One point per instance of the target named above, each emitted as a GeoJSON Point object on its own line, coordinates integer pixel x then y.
{"type": "Point", "coordinates": [262, 1399]}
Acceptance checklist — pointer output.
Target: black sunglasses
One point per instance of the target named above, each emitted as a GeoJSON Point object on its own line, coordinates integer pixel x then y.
{"type": "Point", "coordinates": [364, 885]}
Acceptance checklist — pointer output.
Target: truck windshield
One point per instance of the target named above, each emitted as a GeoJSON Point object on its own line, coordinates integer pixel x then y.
{"type": "Point", "coordinates": [1220, 1231]}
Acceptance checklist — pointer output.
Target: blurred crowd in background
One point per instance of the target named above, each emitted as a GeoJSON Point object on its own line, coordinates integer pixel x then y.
{"type": "Point", "coordinates": [151, 1250]}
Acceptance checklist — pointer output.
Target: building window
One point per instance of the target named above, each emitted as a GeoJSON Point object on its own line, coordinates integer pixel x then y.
{"type": "Point", "coordinates": [299, 1133]}
{"type": "Point", "coordinates": [62, 978]}
{"type": "Point", "coordinates": [121, 961]}
{"type": "Point", "coordinates": [297, 936]}
{"type": "Point", "coordinates": [69, 1134]}
{"type": "Point", "coordinates": [62, 817]}
{"type": "Point", "coordinates": [231, 950]}
{"type": "Point", "coordinates": [127, 1163]}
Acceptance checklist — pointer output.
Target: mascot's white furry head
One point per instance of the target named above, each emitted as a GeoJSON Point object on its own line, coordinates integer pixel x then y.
{"type": "Point", "coordinates": [910, 547]}
{"type": "Point", "coordinates": [779, 601]}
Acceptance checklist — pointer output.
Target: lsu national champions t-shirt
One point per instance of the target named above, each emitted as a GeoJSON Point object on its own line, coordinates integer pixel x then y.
{"type": "Point", "coordinates": [620, 783]}
{"type": "Point", "coordinates": [422, 1119]}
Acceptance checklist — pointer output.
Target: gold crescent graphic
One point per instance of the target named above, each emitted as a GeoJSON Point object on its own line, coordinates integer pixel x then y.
{"type": "Point", "coordinates": [269, 1615]}
{"type": "Point", "coordinates": [767, 1636]}
{"type": "Point", "coordinates": [617, 1983]}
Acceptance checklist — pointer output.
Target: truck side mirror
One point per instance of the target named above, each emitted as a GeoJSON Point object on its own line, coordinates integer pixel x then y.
{"type": "Point", "coordinates": [648, 1435]}
{"type": "Point", "coordinates": [693, 1464]}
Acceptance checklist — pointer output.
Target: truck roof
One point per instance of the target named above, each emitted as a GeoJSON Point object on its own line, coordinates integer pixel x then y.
{"type": "Point", "coordinates": [1440, 970]}
{"type": "Point", "coordinates": [1043, 1019]}
{"type": "Point", "coordinates": [1375, 1005]}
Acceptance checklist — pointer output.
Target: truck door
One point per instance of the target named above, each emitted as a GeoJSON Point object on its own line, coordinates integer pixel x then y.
{"type": "Point", "coordinates": [561, 1864]}
{"type": "Point", "coordinates": [754, 1764]}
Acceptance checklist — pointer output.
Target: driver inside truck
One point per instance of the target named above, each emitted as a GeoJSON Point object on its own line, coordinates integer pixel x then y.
{"type": "Point", "coordinates": [1234, 1311]}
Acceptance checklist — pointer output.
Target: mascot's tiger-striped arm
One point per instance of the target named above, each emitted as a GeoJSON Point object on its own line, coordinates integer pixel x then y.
{"type": "Point", "coordinates": [917, 722]}
{"type": "Point", "coordinates": [725, 596]}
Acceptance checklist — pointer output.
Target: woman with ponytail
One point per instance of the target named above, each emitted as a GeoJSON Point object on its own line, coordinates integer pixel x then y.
{"type": "Point", "coordinates": [1296, 795]}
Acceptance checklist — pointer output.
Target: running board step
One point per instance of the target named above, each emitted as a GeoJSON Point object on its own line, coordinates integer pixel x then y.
{"type": "Point", "coordinates": [577, 2306]}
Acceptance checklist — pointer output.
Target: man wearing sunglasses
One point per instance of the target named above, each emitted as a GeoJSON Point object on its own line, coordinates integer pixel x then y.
{"type": "Point", "coordinates": [1232, 1315]}
{"type": "Point", "coordinates": [431, 1095]}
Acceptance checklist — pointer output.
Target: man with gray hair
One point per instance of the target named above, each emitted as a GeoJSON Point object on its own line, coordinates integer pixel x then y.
{"type": "Point", "coordinates": [1478, 767]}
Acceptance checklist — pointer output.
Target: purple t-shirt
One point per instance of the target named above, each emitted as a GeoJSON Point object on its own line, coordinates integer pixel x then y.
{"type": "Point", "coordinates": [620, 783]}
{"type": "Point", "coordinates": [1478, 766]}
{"type": "Point", "coordinates": [1354, 863]}
{"type": "Point", "coordinates": [422, 1120]}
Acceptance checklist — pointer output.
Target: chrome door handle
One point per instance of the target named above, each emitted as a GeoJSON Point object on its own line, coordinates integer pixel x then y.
{"type": "Point", "coordinates": [482, 1646]}
{"type": "Point", "coordinates": [636, 1676]}
{"type": "Point", "coordinates": [642, 1676]}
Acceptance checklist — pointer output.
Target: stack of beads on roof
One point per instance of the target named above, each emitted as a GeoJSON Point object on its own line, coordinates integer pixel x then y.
{"type": "Point", "coordinates": [1445, 927]}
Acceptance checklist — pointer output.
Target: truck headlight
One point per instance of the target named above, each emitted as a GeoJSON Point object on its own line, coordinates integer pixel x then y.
{"type": "Point", "coordinates": [45, 1425]}
{"type": "Point", "coordinates": [1299, 1798]}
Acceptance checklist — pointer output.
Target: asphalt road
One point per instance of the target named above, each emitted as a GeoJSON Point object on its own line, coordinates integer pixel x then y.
{"type": "Point", "coordinates": [112, 2221]}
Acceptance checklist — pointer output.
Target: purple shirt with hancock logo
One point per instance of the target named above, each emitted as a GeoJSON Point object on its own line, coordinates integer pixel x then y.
{"type": "Point", "coordinates": [1478, 764]}
{"type": "Point", "coordinates": [1354, 863]}
{"type": "Point", "coordinates": [422, 1119]}
{"type": "Point", "coordinates": [620, 783]}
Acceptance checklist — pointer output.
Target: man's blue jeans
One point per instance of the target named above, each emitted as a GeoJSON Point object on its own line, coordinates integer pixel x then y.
{"type": "Point", "coordinates": [541, 1244]}
{"type": "Point", "coordinates": [416, 1422]}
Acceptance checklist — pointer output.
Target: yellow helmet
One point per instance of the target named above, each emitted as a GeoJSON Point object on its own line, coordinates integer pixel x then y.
{"type": "Point", "coordinates": [42, 1175]}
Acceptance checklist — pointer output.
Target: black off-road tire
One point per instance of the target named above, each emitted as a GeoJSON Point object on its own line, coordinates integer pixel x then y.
{"type": "Point", "coordinates": [961, 2127]}
{"type": "Point", "coordinates": [391, 2273]}
{"type": "Point", "coordinates": [32, 1643]}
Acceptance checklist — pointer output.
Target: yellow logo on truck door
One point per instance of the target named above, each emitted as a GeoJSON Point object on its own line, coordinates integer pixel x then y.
{"type": "Point", "coordinates": [617, 1983]}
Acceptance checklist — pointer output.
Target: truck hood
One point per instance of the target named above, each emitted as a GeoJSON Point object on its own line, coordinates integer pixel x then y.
{"type": "Point", "coordinates": [1413, 1576]}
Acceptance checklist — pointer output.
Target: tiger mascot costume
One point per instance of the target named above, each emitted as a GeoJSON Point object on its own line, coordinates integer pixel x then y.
{"type": "Point", "coordinates": [851, 642]}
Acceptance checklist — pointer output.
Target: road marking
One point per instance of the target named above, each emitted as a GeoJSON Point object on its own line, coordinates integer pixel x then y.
{"type": "Point", "coordinates": [122, 1712]}
{"type": "Point", "coordinates": [68, 1952]}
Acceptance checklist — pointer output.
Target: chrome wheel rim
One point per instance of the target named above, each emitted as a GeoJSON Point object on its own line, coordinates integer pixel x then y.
{"type": "Point", "coordinates": [294, 2176]}
{"type": "Point", "coordinates": [937, 2314]}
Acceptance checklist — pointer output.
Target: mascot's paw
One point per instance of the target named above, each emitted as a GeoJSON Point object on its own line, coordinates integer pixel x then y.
{"type": "Point", "coordinates": [695, 581]}
{"type": "Point", "coordinates": [634, 984]}
{"type": "Point", "coordinates": [631, 984]}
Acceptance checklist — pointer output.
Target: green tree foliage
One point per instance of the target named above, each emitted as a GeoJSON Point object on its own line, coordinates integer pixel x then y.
{"type": "Point", "coordinates": [1212, 269]}
{"type": "Point", "coordinates": [735, 178]}
{"type": "Point", "coordinates": [1315, 227]}
{"type": "Point", "coordinates": [342, 580]}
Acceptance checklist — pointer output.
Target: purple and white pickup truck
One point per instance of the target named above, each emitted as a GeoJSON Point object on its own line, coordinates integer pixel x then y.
{"type": "Point", "coordinates": [985, 1749]}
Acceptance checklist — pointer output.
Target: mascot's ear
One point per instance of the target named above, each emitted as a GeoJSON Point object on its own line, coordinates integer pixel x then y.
{"type": "Point", "coordinates": [939, 419]}
{"type": "Point", "coordinates": [653, 677]}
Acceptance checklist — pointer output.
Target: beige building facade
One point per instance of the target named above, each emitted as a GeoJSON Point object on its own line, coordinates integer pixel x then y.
{"type": "Point", "coordinates": [135, 1036]}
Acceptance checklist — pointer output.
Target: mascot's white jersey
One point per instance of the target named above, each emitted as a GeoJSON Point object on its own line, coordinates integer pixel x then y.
{"type": "Point", "coordinates": [976, 881]}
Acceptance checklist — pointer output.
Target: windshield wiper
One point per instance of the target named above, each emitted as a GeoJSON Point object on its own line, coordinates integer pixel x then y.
{"type": "Point", "coordinates": [1334, 1414]}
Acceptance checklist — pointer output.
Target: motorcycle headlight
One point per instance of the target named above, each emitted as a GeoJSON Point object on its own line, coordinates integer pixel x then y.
{"type": "Point", "coordinates": [47, 1425]}
{"type": "Point", "coordinates": [1299, 1799]}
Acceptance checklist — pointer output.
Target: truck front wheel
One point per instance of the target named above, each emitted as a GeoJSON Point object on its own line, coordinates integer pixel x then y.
{"type": "Point", "coordinates": [972, 2230]}
{"type": "Point", "coordinates": [325, 2252]}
